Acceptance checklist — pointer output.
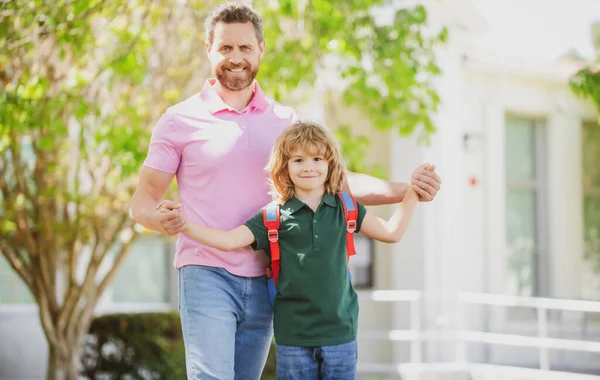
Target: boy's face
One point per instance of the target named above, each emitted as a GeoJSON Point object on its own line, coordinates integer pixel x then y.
{"type": "Point", "coordinates": [308, 170]}
{"type": "Point", "coordinates": [235, 54]}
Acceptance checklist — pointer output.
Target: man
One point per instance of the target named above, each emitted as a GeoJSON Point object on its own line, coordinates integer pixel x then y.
{"type": "Point", "coordinates": [217, 143]}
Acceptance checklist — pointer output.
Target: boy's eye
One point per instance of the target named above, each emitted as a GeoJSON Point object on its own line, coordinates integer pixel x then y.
{"type": "Point", "coordinates": [318, 158]}
{"type": "Point", "coordinates": [298, 160]}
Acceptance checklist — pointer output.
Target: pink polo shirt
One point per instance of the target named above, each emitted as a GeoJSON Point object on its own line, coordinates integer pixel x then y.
{"type": "Point", "coordinates": [218, 155]}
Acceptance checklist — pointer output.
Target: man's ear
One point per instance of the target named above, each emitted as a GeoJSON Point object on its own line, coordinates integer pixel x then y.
{"type": "Point", "coordinates": [207, 46]}
{"type": "Point", "coordinates": [261, 47]}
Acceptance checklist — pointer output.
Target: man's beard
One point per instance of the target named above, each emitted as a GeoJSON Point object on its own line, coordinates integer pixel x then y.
{"type": "Point", "coordinates": [236, 81]}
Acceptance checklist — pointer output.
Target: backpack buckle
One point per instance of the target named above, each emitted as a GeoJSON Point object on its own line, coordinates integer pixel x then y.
{"type": "Point", "coordinates": [351, 226]}
{"type": "Point", "coordinates": [273, 236]}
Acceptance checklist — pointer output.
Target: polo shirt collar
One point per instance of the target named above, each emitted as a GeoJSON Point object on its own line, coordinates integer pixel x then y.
{"type": "Point", "coordinates": [215, 104]}
{"type": "Point", "coordinates": [295, 204]}
{"type": "Point", "coordinates": [330, 200]}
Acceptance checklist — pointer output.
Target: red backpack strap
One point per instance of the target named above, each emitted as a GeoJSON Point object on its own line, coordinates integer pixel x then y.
{"type": "Point", "coordinates": [271, 222]}
{"type": "Point", "coordinates": [351, 213]}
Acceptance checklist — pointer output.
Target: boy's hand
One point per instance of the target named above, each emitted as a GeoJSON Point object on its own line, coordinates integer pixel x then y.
{"type": "Point", "coordinates": [425, 182]}
{"type": "Point", "coordinates": [177, 223]}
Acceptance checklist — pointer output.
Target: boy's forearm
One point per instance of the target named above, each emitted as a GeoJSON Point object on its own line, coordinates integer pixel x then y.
{"type": "Point", "coordinates": [399, 222]}
{"type": "Point", "coordinates": [371, 191]}
{"type": "Point", "coordinates": [209, 236]}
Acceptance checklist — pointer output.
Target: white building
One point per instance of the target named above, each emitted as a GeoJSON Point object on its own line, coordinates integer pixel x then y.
{"type": "Point", "coordinates": [518, 154]}
{"type": "Point", "coordinates": [516, 151]}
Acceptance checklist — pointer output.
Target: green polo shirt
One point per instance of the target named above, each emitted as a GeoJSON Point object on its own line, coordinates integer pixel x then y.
{"type": "Point", "coordinates": [316, 304]}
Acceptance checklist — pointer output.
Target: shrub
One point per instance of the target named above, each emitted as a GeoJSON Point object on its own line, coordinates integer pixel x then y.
{"type": "Point", "coordinates": [141, 346]}
{"type": "Point", "coordinates": [138, 346]}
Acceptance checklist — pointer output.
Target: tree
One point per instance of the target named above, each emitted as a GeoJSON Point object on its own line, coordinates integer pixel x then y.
{"type": "Point", "coordinates": [586, 83]}
{"type": "Point", "coordinates": [378, 56]}
{"type": "Point", "coordinates": [85, 80]}
{"type": "Point", "coordinates": [82, 82]}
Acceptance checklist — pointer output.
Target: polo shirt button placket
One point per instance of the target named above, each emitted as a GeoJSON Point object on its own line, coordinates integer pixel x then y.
{"type": "Point", "coordinates": [244, 129]}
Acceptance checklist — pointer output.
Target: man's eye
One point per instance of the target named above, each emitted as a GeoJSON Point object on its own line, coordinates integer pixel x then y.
{"type": "Point", "coordinates": [225, 48]}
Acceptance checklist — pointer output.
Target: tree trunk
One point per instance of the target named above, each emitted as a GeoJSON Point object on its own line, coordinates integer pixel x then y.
{"type": "Point", "coordinates": [63, 361]}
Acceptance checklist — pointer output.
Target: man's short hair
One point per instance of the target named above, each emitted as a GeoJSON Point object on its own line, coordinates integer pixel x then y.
{"type": "Point", "coordinates": [233, 12]}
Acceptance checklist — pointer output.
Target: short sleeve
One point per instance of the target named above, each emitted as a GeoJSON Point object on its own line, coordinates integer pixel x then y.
{"type": "Point", "coordinates": [257, 227]}
{"type": "Point", "coordinates": [164, 153]}
{"type": "Point", "coordinates": [362, 211]}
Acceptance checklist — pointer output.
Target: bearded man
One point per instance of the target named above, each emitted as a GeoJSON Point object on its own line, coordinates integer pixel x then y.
{"type": "Point", "coordinates": [217, 143]}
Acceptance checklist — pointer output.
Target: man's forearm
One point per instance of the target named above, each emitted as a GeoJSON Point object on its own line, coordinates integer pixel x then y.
{"type": "Point", "coordinates": [142, 209]}
{"type": "Point", "coordinates": [371, 191]}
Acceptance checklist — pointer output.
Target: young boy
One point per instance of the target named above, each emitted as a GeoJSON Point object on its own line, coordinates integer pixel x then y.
{"type": "Point", "coordinates": [316, 307]}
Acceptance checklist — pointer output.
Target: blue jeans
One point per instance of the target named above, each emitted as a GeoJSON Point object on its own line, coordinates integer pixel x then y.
{"type": "Point", "coordinates": [227, 323]}
{"type": "Point", "coordinates": [337, 362]}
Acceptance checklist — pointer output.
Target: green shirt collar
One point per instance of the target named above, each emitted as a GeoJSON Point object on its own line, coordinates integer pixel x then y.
{"type": "Point", "coordinates": [295, 204]}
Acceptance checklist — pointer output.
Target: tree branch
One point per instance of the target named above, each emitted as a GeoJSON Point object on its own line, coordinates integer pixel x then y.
{"type": "Point", "coordinates": [16, 262]}
{"type": "Point", "coordinates": [46, 315]}
{"type": "Point", "coordinates": [119, 259]}
{"type": "Point", "coordinates": [47, 284]}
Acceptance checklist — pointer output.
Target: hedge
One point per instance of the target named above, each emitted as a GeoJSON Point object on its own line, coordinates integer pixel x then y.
{"type": "Point", "coordinates": [140, 346]}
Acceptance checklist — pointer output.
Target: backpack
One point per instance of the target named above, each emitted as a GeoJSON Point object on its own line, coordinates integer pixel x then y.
{"type": "Point", "coordinates": [271, 221]}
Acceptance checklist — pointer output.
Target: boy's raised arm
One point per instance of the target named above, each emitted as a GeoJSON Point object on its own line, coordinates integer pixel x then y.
{"type": "Point", "coordinates": [393, 230]}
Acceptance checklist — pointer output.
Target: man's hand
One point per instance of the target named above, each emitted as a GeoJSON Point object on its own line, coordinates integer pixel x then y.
{"type": "Point", "coordinates": [426, 182]}
{"type": "Point", "coordinates": [172, 219]}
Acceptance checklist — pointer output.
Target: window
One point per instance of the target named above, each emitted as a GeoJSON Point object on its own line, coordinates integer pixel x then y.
{"type": "Point", "coordinates": [524, 149]}
{"type": "Point", "coordinates": [591, 208]}
{"type": "Point", "coordinates": [361, 264]}
{"type": "Point", "coordinates": [12, 289]}
{"type": "Point", "coordinates": [145, 276]}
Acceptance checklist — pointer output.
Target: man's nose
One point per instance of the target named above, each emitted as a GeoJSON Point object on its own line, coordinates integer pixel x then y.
{"type": "Point", "coordinates": [235, 57]}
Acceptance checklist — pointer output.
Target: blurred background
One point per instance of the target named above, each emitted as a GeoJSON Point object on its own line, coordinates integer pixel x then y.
{"type": "Point", "coordinates": [498, 278]}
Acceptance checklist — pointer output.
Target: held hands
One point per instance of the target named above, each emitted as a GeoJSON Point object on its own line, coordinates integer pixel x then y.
{"type": "Point", "coordinates": [172, 219]}
{"type": "Point", "coordinates": [425, 182]}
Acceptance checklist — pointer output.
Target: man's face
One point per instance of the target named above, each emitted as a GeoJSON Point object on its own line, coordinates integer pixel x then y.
{"type": "Point", "coordinates": [235, 54]}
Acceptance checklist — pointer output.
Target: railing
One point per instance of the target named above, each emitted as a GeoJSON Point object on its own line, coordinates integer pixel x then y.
{"type": "Point", "coordinates": [542, 342]}
{"type": "Point", "coordinates": [412, 335]}
{"type": "Point", "coordinates": [461, 334]}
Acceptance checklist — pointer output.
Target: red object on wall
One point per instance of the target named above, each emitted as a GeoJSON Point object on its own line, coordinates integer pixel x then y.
{"type": "Point", "coordinates": [473, 181]}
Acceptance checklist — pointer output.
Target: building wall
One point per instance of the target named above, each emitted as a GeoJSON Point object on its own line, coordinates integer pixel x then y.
{"type": "Point", "coordinates": [23, 348]}
{"type": "Point", "coordinates": [462, 235]}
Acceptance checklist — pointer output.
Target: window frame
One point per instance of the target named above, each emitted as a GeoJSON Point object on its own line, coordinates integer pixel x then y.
{"type": "Point", "coordinates": [170, 282]}
{"type": "Point", "coordinates": [537, 185]}
{"type": "Point", "coordinates": [369, 283]}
